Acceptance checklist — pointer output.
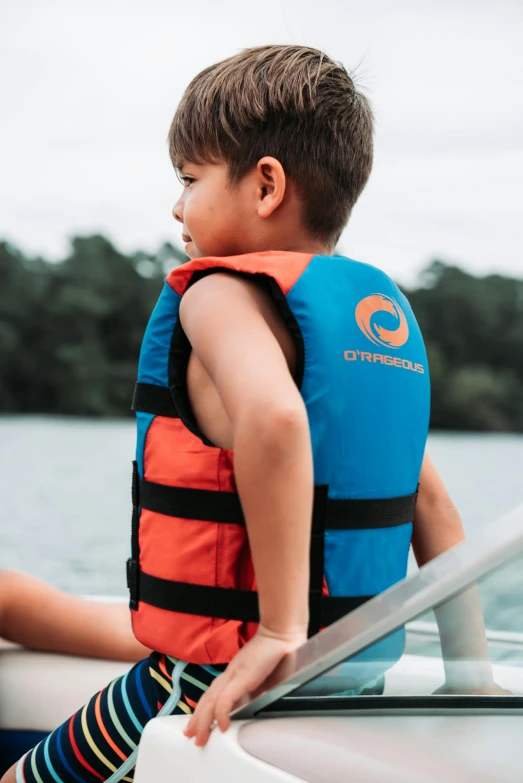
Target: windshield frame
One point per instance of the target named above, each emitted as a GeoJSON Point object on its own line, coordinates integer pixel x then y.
{"type": "Point", "coordinates": [434, 583]}
{"type": "Point", "coordinates": [304, 706]}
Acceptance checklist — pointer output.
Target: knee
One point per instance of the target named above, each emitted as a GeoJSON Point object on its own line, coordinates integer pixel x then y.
{"type": "Point", "coordinates": [13, 593]}
{"type": "Point", "coordinates": [10, 775]}
{"type": "Point", "coordinates": [7, 581]}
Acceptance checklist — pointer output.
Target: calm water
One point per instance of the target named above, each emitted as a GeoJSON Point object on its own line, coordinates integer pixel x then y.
{"type": "Point", "coordinates": [66, 494]}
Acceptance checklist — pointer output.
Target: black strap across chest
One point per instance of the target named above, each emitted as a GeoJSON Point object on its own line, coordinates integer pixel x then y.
{"type": "Point", "coordinates": [224, 507]}
{"type": "Point", "coordinates": [214, 506]}
{"type": "Point", "coordinates": [150, 398]}
{"type": "Point", "coordinates": [232, 604]}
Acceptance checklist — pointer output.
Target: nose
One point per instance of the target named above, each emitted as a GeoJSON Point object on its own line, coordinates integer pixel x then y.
{"type": "Point", "coordinates": [178, 211]}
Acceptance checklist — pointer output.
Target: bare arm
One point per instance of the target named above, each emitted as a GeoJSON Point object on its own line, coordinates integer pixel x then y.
{"type": "Point", "coordinates": [223, 317]}
{"type": "Point", "coordinates": [37, 615]}
{"type": "Point", "coordinates": [226, 321]}
{"type": "Point", "coordinates": [437, 527]}
{"type": "Point", "coordinates": [437, 523]}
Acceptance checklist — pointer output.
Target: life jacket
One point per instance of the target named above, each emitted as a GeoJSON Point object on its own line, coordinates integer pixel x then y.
{"type": "Point", "coordinates": [361, 368]}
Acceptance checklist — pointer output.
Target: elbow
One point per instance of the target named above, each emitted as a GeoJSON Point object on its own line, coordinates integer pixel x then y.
{"type": "Point", "coordinates": [277, 426]}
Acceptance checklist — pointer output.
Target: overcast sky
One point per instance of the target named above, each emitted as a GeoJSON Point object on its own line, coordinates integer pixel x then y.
{"type": "Point", "coordinates": [88, 90]}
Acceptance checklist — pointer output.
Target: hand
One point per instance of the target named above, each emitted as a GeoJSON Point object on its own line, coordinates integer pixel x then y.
{"type": "Point", "coordinates": [248, 669]}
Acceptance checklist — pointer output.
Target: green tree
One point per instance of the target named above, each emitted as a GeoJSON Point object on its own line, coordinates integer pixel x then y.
{"type": "Point", "coordinates": [473, 329]}
{"type": "Point", "coordinates": [70, 334]}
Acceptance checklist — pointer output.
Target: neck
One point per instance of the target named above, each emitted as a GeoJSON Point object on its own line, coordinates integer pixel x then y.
{"type": "Point", "coordinates": [314, 246]}
{"type": "Point", "coordinates": [303, 244]}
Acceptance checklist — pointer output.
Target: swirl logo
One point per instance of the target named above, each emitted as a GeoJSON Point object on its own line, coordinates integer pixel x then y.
{"type": "Point", "coordinates": [366, 317]}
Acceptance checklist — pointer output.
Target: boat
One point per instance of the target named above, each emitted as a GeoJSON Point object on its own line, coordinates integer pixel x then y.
{"type": "Point", "coordinates": [330, 713]}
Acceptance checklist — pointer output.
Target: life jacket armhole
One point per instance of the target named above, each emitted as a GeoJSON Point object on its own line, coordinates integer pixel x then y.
{"type": "Point", "coordinates": [179, 354]}
{"type": "Point", "coordinates": [180, 349]}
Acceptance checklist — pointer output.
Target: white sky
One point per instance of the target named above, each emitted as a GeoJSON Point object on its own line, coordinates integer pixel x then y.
{"type": "Point", "coordinates": [89, 87]}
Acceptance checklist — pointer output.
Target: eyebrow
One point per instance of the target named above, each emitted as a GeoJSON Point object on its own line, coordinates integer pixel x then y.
{"type": "Point", "coordinates": [184, 163]}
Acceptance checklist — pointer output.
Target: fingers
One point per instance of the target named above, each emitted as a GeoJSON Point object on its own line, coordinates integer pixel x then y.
{"type": "Point", "coordinates": [202, 719]}
{"type": "Point", "coordinates": [250, 667]}
{"type": "Point", "coordinates": [225, 704]}
{"type": "Point", "coordinates": [205, 722]}
{"type": "Point", "coordinates": [214, 707]}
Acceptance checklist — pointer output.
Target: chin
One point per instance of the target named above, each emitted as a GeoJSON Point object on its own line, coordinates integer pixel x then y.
{"type": "Point", "coordinates": [194, 253]}
{"type": "Point", "coordinates": [218, 252]}
{"type": "Point", "coordinates": [191, 251]}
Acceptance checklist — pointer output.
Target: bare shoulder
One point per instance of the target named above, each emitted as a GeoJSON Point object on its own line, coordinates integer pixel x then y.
{"type": "Point", "coordinates": [222, 289]}
{"type": "Point", "coordinates": [224, 300]}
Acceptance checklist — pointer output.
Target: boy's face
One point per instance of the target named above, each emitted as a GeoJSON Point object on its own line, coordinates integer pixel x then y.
{"type": "Point", "coordinates": [217, 220]}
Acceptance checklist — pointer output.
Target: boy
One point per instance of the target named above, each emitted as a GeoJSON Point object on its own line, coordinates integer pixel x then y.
{"type": "Point", "coordinates": [302, 367]}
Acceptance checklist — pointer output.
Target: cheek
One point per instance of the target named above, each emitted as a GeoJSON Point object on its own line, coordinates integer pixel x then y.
{"type": "Point", "coordinates": [197, 209]}
{"type": "Point", "coordinates": [208, 213]}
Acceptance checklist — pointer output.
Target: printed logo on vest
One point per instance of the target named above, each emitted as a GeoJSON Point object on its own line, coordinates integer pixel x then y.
{"type": "Point", "coordinates": [368, 308]}
{"type": "Point", "coordinates": [380, 358]}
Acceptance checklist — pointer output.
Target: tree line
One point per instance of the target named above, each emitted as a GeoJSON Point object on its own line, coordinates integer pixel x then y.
{"type": "Point", "coordinates": [70, 334]}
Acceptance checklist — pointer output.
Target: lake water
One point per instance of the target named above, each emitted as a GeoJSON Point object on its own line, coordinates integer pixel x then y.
{"type": "Point", "coordinates": [66, 494]}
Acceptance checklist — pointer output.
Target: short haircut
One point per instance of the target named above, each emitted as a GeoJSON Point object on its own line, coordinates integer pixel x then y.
{"type": "Point", "coordinates": [293, 103]}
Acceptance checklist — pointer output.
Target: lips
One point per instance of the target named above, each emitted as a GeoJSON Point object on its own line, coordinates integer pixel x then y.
{"type": "Point", "coordinates": [186, 238]}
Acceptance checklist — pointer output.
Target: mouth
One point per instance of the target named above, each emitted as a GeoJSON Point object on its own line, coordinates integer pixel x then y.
{"type": "Point", "coordinates": [186, 238]}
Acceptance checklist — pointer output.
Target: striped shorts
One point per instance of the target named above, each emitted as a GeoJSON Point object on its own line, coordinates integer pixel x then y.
{"type": "Point", "coordinates": [98, 739]}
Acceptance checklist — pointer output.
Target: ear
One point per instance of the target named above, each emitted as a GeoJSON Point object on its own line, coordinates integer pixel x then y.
{"type": "Point", "coordinates": [271, 183]}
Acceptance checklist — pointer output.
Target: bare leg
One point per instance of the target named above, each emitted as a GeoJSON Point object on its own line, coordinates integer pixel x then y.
{"type": "Point", "coordinates": [10, 775]}
{"type": "Point", "coordinates": [34, 614]}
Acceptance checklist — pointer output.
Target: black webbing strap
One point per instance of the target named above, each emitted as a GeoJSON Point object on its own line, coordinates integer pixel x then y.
{"type": "Point", "coordinates": [226, 603]}
{"type": "Point", "coordinates": [385, 512]}
{"type": "Point", "coordinates": [335, 607]}
{"type": "Point", "coordinates": [150, 398]}
{"type": "Point", "coordinates": [214, 506]}
{"type": "Point", "coordinates": [205, 504]}
{"type": "Point", "coordinates": [132, 563]}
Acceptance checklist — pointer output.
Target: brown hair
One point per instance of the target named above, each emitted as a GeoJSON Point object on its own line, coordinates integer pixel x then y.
{"type": "Point", "coordinates": [291, 102]}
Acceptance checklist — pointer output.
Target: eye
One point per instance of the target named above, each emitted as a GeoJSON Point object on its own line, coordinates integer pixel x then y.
{"type": "Point", "coordinates": [183, 179]}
